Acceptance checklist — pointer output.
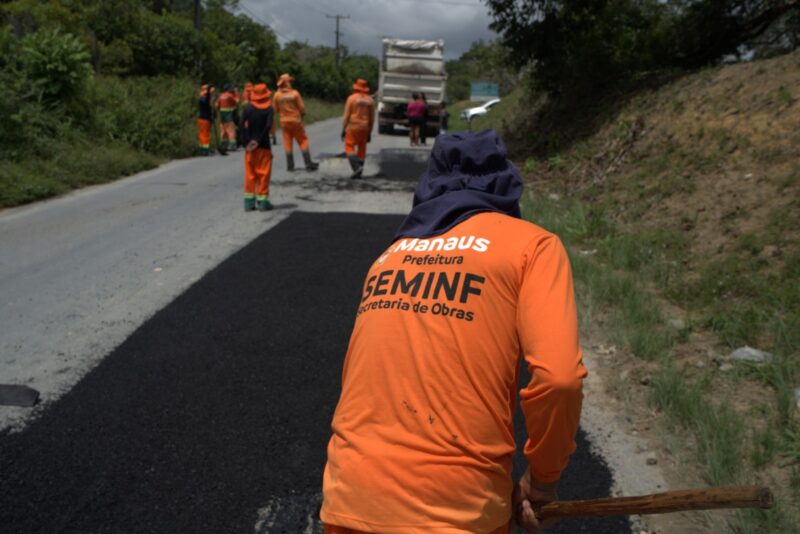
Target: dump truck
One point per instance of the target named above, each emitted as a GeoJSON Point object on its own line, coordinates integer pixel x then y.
{"type": "Point", "coordinates": [410, 66]}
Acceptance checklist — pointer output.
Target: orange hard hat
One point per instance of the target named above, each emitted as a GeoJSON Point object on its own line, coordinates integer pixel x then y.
{"type": "Point", "coordinates": [284, 79]}
{"type": "Point", "coordinates": [361, 86]}
{"type": "Point", "coordinates": [260, 96]}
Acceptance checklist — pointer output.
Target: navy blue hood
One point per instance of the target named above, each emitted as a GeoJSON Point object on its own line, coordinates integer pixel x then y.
{"type": "Point", "coordinates": [467, 173]}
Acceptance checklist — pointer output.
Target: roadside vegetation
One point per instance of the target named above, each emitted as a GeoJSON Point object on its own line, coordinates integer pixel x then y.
{"type": "Point", "coordinates": [682, 218]}
{"type": "Point", "coordinates": [95, 90]}
{"type": "Point", "coordinates": [669, 165]}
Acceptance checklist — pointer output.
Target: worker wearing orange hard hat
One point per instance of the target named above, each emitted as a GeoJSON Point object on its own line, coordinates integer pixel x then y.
{"type": "Point", "coordinates": [258, 122]}
{"type": "Point", "coordinates": [359, 116]}
{"type": "Point", "coordinates": [289, 104]}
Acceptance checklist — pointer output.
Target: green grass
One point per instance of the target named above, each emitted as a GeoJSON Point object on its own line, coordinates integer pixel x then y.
{"type": "Point", "coordinates": [320, 110]}
{"type": "Point", "coordinates": [629, 273]}
{"type": "Point", "coordinates": [635, 320]}
{"type": "Point", "coordinates": [784, 96]}
{"type": "Point", "coordinates": [73, 167]}
{"type": "Point", "coordinates": [617, 281]}
{"type": "Point", "coordinates": [716, 429]}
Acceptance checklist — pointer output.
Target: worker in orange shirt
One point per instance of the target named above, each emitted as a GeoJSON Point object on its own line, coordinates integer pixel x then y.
{"type": "Point", "coordinates": [258, 122]}
{"type": "Point", "coordinates": [289, 104]}
{"type": "Point", "coordinates": [248, 89]}
{"type": "Point", "coordinates": [359, 116]}
{"type": "Point", "coordinates": [205, 118]}
{"type": "Point", "coordinates": [423, 433]}
{"type": "Point", "coordinates": [226, 104]}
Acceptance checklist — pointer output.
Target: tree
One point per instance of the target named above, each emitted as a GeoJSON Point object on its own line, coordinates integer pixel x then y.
{"type": "Point", "coordinates": [482, 62]}
{"type": "Point", "coordinates": [591, 45]}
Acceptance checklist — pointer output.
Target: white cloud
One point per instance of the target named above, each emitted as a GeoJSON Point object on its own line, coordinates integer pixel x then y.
{"type": "Point", "coordinates": [458, 22]}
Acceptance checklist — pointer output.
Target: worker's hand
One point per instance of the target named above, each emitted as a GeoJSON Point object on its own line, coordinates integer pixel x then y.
{"type": "Point", "coordinates": [369, 137]}
{"type": "Point", "coordinates": [529, 494]}
{"type": "Point", "coordinates": [252, 145]}
{"type": "Point", "coordinates": [343, 134]}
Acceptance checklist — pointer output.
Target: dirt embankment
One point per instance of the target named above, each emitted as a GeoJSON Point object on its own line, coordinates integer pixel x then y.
{"type": "Point", "coordinates": [683, 215]}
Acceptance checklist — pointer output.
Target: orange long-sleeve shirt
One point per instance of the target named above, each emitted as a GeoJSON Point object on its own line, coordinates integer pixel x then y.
{"type": "Point", "coordinates": [423, 432]}
{"type": "Point", "coordinates": [289, 104]}
{"type": "Point", "coordinates": [359, 112]}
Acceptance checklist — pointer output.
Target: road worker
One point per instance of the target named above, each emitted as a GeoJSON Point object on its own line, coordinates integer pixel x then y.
{"type": "Point", "coordinates": [359, 116]}
{"type": "Point", "coordinates": [226, 104]}
{"type": "Point", "coordinates": [248, 88]}
{"type": "Point", "coordinates": [205, 118]}
{"type": "Point", "coordinates": [423, 434]}
{"type": "Point", "coordinates": [289, 104]}
{"type": "Point", "coordinates": [259, 127]}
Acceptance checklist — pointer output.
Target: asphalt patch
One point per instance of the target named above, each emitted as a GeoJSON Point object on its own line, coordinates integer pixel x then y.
{"type": "Point", "coordinates": [403, 164]}
{"type": "Point", "coordinates": [214, 415]}
{"type": "Point", "coordinates": [13, 395]}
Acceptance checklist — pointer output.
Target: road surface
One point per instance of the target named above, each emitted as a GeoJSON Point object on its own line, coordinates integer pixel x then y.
{"type": "Point", "coordinates": [189, 353]}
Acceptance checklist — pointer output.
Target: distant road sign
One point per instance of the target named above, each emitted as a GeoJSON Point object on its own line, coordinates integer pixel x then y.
{"type": "Point", "coordinates": [483, 91]}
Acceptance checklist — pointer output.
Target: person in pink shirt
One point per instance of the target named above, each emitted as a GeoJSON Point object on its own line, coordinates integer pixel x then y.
{"type": "Point", "coordinates": [416, 118]}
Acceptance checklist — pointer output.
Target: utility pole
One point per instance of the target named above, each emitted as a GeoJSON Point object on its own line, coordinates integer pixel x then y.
{"type": "Point", "coordinates": [198, 58]}
{"type": "Point", "coordinates": [338, 33]}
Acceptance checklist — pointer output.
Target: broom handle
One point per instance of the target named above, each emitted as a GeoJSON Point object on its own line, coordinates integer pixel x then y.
{"type": "Point", "coordinates": [662, 503]}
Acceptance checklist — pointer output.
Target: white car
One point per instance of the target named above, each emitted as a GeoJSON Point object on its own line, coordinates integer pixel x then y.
{"type": "Point", "coordinates": [471, 113]}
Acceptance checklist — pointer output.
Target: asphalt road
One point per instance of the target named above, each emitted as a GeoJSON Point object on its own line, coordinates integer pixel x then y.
{"type": "Point", "coordinates": [80, 273]}
{"type": "Point", "coordinates": [209, 409]}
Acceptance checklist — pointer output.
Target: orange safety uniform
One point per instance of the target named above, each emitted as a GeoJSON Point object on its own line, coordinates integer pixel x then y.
{"type": "Point", "coordinates": [359, 116]}
{"type": "Point", "coordinates": [226, 104]}
{"type": "Point", "coordinates": [423, 433]}
{"type": "Point", "coordinates": [248, 89]}
{"type": "Point", "coordinates": [204, 119]}
{"type": "Point", "coordinates": [289, 104]}
{"type": "Point", "coordinates": [258, 124]}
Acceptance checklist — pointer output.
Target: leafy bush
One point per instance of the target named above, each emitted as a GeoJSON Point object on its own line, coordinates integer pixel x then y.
{"type": "Point", "coordinates": [151, 114]}
{"type": "Point", "coordinates": [56, 64]}
{"type": "Point", "coordinates": [164, 44]}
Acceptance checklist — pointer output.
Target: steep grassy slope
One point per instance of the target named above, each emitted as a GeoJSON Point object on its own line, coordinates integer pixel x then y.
{"type": "Point", "coordinates": [683, 215]}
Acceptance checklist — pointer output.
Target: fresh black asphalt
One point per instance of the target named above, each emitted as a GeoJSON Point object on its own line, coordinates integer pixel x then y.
{"type": "Point", "coordinates": [220, 404]}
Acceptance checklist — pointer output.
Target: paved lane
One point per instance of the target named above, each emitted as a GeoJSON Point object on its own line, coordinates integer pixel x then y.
{"type": "Point", "coordinates": [213, 416]}
{"type": "Point", "coordinates": [80, 273]}
{"type": "Point", "coordinates": [188, 353]}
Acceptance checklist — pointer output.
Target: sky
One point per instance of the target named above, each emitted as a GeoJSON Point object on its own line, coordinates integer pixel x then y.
{"type": "Point", "coordinates": [458, 22]}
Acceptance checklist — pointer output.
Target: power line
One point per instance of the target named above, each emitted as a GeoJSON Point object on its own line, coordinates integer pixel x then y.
{"type": "Point", "coordinates": [263, 22]}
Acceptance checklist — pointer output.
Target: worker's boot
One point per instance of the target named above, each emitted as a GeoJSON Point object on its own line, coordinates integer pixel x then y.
{"type": "Point", "coordinates": [264, 205]}
{"type": "Point", "coordinates": [310, 165]}
{"type": "Point", "coordinates": [290, 162]}
{"type": "Point", "coordinates": [356, 165]}
{"type": "Point", "coordinates": [249, 204]}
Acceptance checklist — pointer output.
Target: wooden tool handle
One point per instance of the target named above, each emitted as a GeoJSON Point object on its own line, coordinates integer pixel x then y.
{"type": "Point", "coordinates": [662, 503]}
